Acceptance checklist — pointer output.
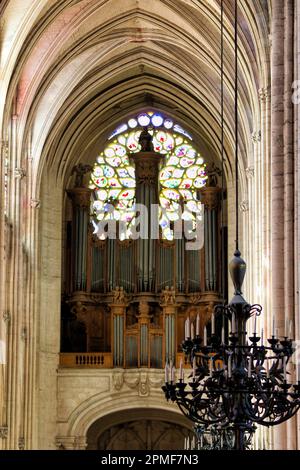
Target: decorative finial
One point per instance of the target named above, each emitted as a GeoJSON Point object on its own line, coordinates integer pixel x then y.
{"type": "Point", "coordinates": [237, 269]}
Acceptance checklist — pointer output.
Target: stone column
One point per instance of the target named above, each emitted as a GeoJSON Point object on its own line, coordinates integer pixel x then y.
{"type": "Point", "coordinates": [81, 198]}
{"type": "Point", "coordinates": [282, 192]}
{"type": "Point", "coordinates": [4, 355]}
{"type": "Point", "coordinates": [296, 101]}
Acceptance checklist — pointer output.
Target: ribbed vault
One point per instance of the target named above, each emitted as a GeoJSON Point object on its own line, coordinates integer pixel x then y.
{"type": "Point", "coordinates": [70, 72]}
{"type": "Point", "coordinates": [85, 64]}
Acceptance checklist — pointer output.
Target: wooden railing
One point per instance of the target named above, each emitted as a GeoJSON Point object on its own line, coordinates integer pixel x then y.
{"type": "Point", "coordinates": [86, 360]}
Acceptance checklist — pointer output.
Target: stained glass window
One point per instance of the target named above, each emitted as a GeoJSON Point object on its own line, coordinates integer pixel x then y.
{"type": "Point", "coordinates": [182, 173]}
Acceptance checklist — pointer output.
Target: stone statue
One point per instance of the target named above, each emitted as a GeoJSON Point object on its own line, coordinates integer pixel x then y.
{"type": "Point", "coordinates": [212, 172]}
{"type": "Point", "coordinates": [145, 141]}
{"type": "Point", "coordinates": [80, 170]}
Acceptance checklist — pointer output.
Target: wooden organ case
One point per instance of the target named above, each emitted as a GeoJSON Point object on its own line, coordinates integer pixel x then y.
{"type": "Point", "coordinates": [125, 302]}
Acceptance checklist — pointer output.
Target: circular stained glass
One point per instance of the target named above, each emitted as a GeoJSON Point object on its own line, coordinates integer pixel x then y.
{"type": "Point", "coordinates": [114, 183]}
{"type": "Point", "coordinates": [171, 183]}
{"type": "Point", "coordinates": [157, 120]}
{"type": "Point", "coordinates": [186, 162]}
{"type": "Point", "coordinates": [122, 139]}
{"type": "Point", "coordinates": [177, 173]}
{"type": "Point", "coordinates": [173, 161]}
{"type": "Point", "coordinates": [182, 172]}
{"type": "Point", "coordinates": [157, 146]}
{"type": "Point", "coordinates": [102, 195]}
{"type": "Point", "coordinates": [181, 150]}
{"type": "Point", "coordinates": [98, 171]}
{"type": "Point", "coordinates": [109, 152]}
{"type": "Point", "coordinates": [199, 183]}
{"type": "Point", "coordinates": [108, 171]}
{"type": "Point", "coordinates": [192, 172]}
{"type": "Point", "coordinates": [101, 182]}
{"type": "Point", "coordinates": [115, 162]}
{"type": "Point", "coordinates": [128, 182]}
{"type": "Point", "coordinates": [186, 195]}
{"type": "Point", "coordinates": [187, 184]}
{"type": "Point", "coordinates": [132, 123]}
{"type": "Point", "coordinates": [120, 150]}
{"type": "Point", "coordinates": [168, 123]}
{"type": "Point", "coordinates": [122, 172]}
{"type": "Point", "coordinates": [132, 142]}
{"type": "Point", "coordinates": [161, 137]}
{"type": "Point", "coordinates": [144, 120]}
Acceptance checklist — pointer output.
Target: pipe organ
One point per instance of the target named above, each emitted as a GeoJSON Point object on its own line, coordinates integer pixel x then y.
{"type": "Point", "coordinates": [126, 299]}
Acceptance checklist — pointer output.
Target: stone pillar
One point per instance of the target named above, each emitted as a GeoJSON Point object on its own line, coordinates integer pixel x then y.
{"type": "Point", "coordinates": [282, 192]}
{"type": "Point", "coordinates": [81, 199]}
{"type": "Point", "coordinates": [296, 101]}
{"type": "Point", "coordinates": [4, 355]}
{"type": "Point", "coordinates": [210, 197]}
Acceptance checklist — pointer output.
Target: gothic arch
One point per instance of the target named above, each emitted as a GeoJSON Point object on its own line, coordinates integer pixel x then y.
{"type": "Point", "coordinates": [53, 125]}
{"type": "Point", "coordinates": [112, 411]}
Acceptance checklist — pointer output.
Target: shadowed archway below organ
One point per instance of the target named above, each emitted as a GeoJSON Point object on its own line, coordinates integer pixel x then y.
{"type": "Point", "coordinates": [125, 301]}
{"type": "Point", "coordinates": [139, 430]}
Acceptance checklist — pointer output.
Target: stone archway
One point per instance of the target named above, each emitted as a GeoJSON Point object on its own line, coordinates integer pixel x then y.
{"type": "Point", "coordinates": [139, 429]}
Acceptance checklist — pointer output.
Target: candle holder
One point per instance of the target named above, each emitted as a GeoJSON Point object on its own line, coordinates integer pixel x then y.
{"type": "Point", "coordinates": [250, 384]}
{"type": "Point", "coordinates": [220, 437]}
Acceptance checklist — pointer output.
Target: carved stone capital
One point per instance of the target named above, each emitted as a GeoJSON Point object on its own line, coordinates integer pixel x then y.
{"type": "Point", "coordinates": [7, 316]}
{"type": "Point", "coordinates": [35, 203]}
{"type": "Point", "coordinates": [244, 206]}
{"type": "Point", "coordinates": [256, 137]}
{"type": "Point", "coordinates": [264, 93]}
{"type": "Point", "coordinates": [20, 173]}
{"type": "Point", "coordinates": [81, 197]}
{"type": "Point", "coordinates": [3, 432]}
{"type": "Point", "coordinates": [4, 148]}
{"type": "Point", "coordinates": [250, 172]}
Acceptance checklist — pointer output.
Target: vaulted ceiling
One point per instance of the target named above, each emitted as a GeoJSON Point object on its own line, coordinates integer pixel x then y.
{"type": "Point", "coordinates": [72, 70]}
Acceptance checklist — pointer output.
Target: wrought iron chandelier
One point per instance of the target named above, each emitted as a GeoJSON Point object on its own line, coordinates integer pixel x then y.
{"type": "Point", "coordinates": [218, 437]}
{"type": "Point", "coordinates": [237, 381]}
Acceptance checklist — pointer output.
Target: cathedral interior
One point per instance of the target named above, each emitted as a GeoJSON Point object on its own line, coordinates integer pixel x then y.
{"type": "Point", "coordinates": [113, 157]}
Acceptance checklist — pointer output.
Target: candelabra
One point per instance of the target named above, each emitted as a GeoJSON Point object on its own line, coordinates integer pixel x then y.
{"type": "Point", "coordinates": [219, 437]}
{"type": "Point", "coordinates": [237, 382]}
